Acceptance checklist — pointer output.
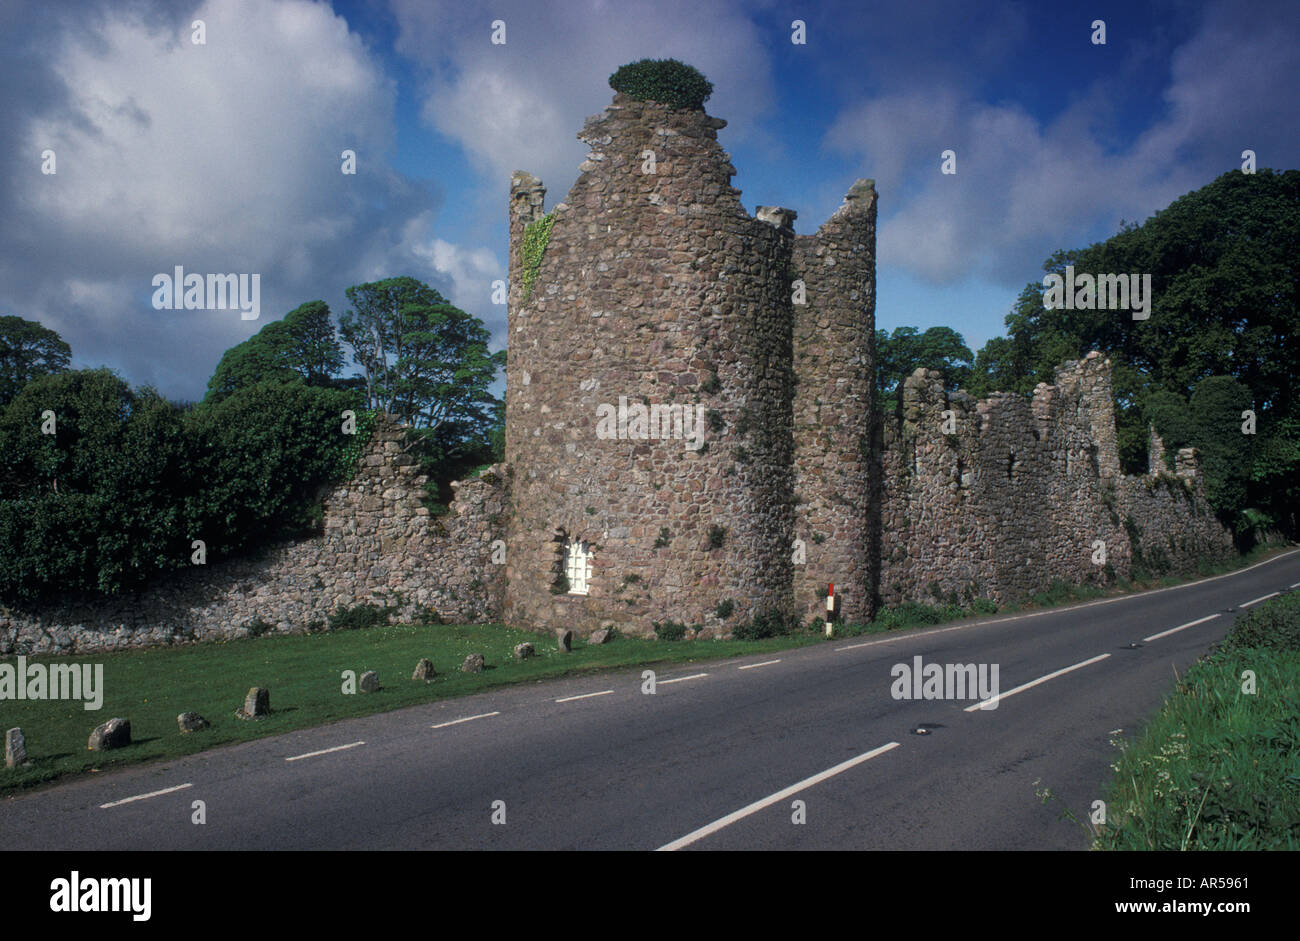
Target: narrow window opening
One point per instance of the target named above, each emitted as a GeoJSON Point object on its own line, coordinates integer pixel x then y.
{"type": "Point", "coordinates": [577, 566]}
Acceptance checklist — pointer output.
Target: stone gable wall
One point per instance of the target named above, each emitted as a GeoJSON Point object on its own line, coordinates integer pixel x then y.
{"type": "Point", "coordinates": [379, 545]}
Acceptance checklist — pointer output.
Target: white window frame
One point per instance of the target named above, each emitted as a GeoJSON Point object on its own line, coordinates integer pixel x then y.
{"type": "Point", "coordinates": [577, 566]}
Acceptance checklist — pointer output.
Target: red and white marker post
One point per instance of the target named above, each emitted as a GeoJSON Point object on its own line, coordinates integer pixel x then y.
{"type": "Point", "coordinates": [830, 608]}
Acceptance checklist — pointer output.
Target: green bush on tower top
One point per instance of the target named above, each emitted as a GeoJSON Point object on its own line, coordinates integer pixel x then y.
{"type": "Point", "coordinates": [674, 83]}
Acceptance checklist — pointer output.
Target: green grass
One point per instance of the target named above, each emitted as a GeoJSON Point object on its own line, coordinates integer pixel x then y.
{"type": "Point", "coordinates": [150, 687]}
{"type": "Point", "coordinates": [1218, 768]}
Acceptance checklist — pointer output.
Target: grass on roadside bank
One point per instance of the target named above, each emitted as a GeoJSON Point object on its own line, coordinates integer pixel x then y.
{"type": "Point", "coordinates": [303, 672]}
{"type": "Point", "coordinates": [1218, 767]}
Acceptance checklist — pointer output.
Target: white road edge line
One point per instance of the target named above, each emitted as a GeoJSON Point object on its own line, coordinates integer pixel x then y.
{"type": "Point", "coordinates": [682, 679]}
{"type": "Point", "coordinates": [323, 751]}
{"type": "Point", "coordinates": [987, 703]}
{"type": "Point", "coordinates": [765, 663]}
{"type": "Point", "coordinates": [603, 692]}
{"type": "Point", "coordinates": [482, 715]}
{"type": "Point", "coordinates": [141, 797]}
{"type": "Point", "coordinates": [1296, 585]}
{"type": "Point", "coordinates": [769, 801]}
{"type": "Point", "coordinates": [1258, 600]}
{"type": "Point", "coordinates": [1180, 627]}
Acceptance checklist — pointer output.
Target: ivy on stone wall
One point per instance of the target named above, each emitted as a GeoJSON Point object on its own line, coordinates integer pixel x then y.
{"type": "Point", "coordinates": [349, 455]}
{"type": "Point", "coordinates": [531, 250]}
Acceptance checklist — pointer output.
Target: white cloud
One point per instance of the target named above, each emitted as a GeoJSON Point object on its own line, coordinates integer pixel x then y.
{"type": "Point", "coordinates": [471, 271]}
{"type": "Point", "coordinates": [221, 147]}
{"type": "Point", "coordinates": [222, 157]}
{"type": "Point", "coordinates": [1025, 188]}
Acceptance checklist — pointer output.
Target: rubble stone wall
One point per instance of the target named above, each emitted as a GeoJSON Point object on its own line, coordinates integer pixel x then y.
{"type": "Point", "coordinates": [379, 545]}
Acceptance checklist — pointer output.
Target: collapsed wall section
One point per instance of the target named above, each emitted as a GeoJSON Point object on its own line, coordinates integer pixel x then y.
{"type": "Point", "coordinates": [379, 545]}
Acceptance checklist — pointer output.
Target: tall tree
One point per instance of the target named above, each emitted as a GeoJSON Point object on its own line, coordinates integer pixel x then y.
{"type": "Point", "coordinates": [902, 352]}
{"type": "Point", "coordinates": [313, 348]}
{"type": "Point", "coordinates": [422, 359]}
{"type": "Point", "coordinates": [1223, 267]}
{"type": "Point", "coordinates": [28, 350]}
{"type": "Point", "coordinates": [302, 346]}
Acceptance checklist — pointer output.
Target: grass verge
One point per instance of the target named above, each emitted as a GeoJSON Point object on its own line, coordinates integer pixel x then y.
{"type": "Point", "coordinates": [1218, 767]}
{"type": "Point", "coordinates": [150, 687]}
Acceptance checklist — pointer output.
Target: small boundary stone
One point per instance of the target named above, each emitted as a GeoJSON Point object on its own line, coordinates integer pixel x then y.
{"type": "Point", "coordinates": [115, 733]}
{"type": "Point", "coordinates": [191, 722]}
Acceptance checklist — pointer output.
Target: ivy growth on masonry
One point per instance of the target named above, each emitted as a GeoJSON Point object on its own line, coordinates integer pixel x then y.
{"type": "Point", "coordinates": [536, 235]}
{"type": "Point", "coordinates": [349, 454]}
{"type": "Point", "coordinates": [673, 83]}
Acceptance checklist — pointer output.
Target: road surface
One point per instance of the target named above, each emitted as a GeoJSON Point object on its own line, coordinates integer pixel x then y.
{"type": "Point", "coordinates": [715, 759]}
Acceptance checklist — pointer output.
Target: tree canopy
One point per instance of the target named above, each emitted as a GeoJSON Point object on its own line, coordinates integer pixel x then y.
{"type": "Point", "coordinates": [422, 359]}
{"type": "Point", "coordinates": [1223, 265]}
{"type": "Point", "coordinates": [104, 487]}
{"type": "Point", "coordinates": [301, 347]}
{"type": "Point", "coordinates": [28, 350]}
{"type": "Point", "coordinates": [902, 352]}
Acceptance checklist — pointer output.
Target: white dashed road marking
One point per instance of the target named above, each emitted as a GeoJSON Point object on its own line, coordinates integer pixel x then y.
{"type": "Point", "coordinates": [483, 715]}
{"type": "Point", "coordinates": [778, 796]}
{"type": "Point", "coordinates": [141, 797]}
{"type": "Point", "coordinates": [324, 751]}
{"type": "Point", "coordinates": [765, 663]}
{"type": "Point", "coordinates": [991, 702]}
{"type": "Point", "coordinates": [1181, 627]}
{"type": "Point", "coordinates": [1247, 604]}
{"type": "Point", "coordinates": [682, 679]}
{"type": "Point", "coordinates": [603, 692]}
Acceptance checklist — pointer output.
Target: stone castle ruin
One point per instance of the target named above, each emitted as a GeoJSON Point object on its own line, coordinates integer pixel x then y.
{"type": "Point", "coordinates": [658, 288]}
{"type": "Point", "coordinates": [690, 438]}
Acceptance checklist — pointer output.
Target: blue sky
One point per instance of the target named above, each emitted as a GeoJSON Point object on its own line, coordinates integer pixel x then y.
{"type": "Point", "coordinates": [225, 157]}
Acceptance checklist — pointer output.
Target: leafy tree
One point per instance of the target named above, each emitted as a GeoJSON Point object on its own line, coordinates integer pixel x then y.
{"type": "Point", "coordinates": [1172, 419]}
{"type": "Point", "coordinates": [116, 495]}
{"type": "Point", "coordinates": [260, 458]}
{"type": "Point", "coordinates": [93, 507]}
{"type": "Point", "coordinates": [301, 347]}
{"type": "Point", "coordinates": [1277, 455]}
{"type": "Point", "coordinates": [1225, 453]}
{"type": "Point", "coordinates": [1223, 266]}
{"type": "Point", "coordinates": [316, 352]}
{"type": "Point", "coordinates": [423, 360]}
{"type": "Point", "coordinates": [904, 351]}
{"type": "Point", "coordinates": [28, 350]}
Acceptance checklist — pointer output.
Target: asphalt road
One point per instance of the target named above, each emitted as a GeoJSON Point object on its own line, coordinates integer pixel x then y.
{"type": "Point", "coordinates": [712, 761]}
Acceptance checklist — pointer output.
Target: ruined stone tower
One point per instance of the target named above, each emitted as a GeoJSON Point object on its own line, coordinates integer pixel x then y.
{"type": "Point", "coordinates": [689, 391]}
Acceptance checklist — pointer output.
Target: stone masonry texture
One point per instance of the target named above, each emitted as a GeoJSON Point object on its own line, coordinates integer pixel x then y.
{"type": "Point", "coordinates": [379, 545]}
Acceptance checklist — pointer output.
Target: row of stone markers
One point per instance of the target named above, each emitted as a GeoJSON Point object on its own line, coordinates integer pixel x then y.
{"type": "Point", "coordinates": [476, 662]}
{"type": "Point", "coordinates": [116, 732]}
